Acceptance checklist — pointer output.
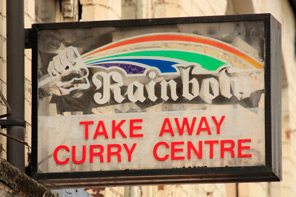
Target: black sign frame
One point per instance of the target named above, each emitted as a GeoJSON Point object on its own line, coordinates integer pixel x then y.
{"type": "Point", "coordinates": [270, 172]}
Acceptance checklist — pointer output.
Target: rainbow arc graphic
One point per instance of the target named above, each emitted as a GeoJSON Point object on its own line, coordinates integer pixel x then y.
{"type": "Point", "coordinates": [164, 50]}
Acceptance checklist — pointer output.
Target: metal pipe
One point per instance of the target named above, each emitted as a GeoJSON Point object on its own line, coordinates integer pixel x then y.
{"type": "Point", "coordinates": [15, 80]}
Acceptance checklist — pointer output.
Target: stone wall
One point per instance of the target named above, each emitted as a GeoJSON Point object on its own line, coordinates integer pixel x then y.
{"type": "Point", "coordinates": [283, 12]}
{"type": "Point", "coordinates": [133, 9]}
{"type": "Point", "coordinates": [29, 6]}
{"type": "Point", "coordinates": [3, 60]}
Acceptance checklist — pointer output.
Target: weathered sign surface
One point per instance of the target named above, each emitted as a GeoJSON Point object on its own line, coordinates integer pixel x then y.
{"type": "Point", "coordinates": [154, 97]}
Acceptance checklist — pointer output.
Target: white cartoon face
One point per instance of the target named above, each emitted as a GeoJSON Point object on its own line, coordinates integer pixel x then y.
{"type": "Point", "coordinates": [68, 71]}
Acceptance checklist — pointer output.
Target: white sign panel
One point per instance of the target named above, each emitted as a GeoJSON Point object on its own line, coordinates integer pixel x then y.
{"type": "Point", "coordinates": [152, 97]}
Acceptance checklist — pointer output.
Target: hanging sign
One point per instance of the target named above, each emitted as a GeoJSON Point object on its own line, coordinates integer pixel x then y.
{"type": "Point", "coordinates": [157, 101]}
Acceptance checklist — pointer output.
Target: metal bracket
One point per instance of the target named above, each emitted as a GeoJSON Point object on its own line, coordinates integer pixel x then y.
{"type": "Point", "coordinates": [28, 38]}
{"type": "Point", "coordinates": [5, 123]}
{"type": "Point", "coordinates": [15, 122]}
